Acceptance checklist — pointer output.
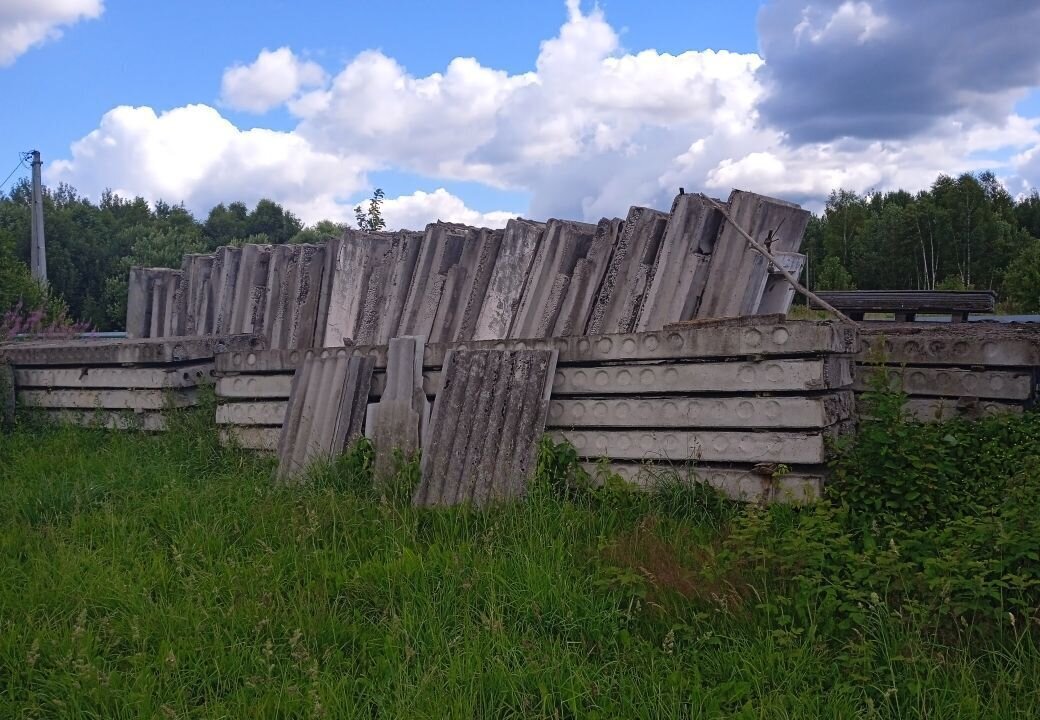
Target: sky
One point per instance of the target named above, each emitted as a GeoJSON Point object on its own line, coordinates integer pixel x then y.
{"type": "Point", "coordinates": [477, 111]}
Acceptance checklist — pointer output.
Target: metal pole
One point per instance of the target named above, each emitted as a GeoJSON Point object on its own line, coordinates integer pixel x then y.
{"type": "Point", "coordinates": [38, 251]}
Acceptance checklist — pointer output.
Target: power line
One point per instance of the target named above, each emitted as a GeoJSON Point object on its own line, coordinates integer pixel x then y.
{"type": "Point", "coordinates": [21, 164]}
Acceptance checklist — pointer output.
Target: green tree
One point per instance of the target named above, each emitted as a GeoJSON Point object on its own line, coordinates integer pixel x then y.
{"type": "Point", "coordinates": [320, 232]}
{"type": "Point", "coordinates": [1023, 279]}
{"type": "Point", "coordinates": [371, 220]}
{"type": "Point", "coordinates": [833, 276]}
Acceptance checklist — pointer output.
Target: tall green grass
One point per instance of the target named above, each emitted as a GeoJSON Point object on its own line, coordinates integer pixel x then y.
{"type": "Point", "coordinates": [165, 577]}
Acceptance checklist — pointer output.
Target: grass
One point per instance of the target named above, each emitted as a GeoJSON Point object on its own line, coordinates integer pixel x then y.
{"type": "Point", "coordinates": [165, 577]}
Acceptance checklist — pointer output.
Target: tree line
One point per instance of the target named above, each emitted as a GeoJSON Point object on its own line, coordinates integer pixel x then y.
{"type": "Point", "coordinates": [961, 233]}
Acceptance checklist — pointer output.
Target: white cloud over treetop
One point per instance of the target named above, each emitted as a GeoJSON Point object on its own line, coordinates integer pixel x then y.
{"type": "Point", "coordinates": [591, 130]}
{"type": "Point", "coordinates": [25, 23]}
{"type": "Point", "coordinates": [275, 77]}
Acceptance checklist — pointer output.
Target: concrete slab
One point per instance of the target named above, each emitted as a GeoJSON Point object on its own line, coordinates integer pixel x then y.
{"type": "Point", "coordinates": [107, 399]}
{"type": "Point", "coordinates": [952, 382]}
{"type": "Point", "coordinates": [252, 413]}
{"type": "Point", "coordinates": [398, 421]}
{"type": "Point", "coordinates": [325, 410]}
{"type": "Point", "coordinates": [251, 438]}
{"type": "Point", "coordinates": [255, 386]}
{"type": "Point", "coordinates": [250, 299]}
{"type": "Point", "coordinates": [771, 375]}
{"type": "Point", "coordinates": [111, 351]}
{"type": "Point", "coordinates": [179, 376]}
{"type": "Point", "coordinates": [779, 293]}
{"type": "Point", "coordinates": [259, 361]}
{"type": "Point", "coordinates": [702, 412]}
{"type": "Point", "coordinates": [225, 265]}
{"type": "Point", "coordinates": [370, 277]}
{"type": "Point", "coordinates": [737, 273]}
{"type": "Point", "coordinates": [587, 278]}
{"type": "Point", "coordinates": [793, 448]}
{"type": "Point", "coordinates": [629, 273]}
{"type": "Point", "coordinates": [733, 338]}
{"type": "Point", "coordinates": [109, 420]}
{"type": "Point", "coordinates": [736, 483]}
{"type": "Point", "coordinates": [485, 426]}
{"type": "Point", "coordinates": [564, 244]}
{"type": "Point", "coordinates": [7, 396]}
{"type": "Point", "coordinates": [941, 409]}
{"type": "Point", "coordinates": [505, 287]}
{"type": "Point", "coordinates": [680, 269]}
{"type": "Point", "coordinates": [951, 344]}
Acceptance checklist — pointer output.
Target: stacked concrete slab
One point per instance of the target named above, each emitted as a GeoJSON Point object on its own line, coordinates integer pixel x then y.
{"type": "Point", "coordinates": [454, 283]}
{"type": "Point", "coordinates": [953, 370]}
{"type": "Point", "coordinates": [729, 401]}
{"type": "Point", "coordinates": [116, 383]}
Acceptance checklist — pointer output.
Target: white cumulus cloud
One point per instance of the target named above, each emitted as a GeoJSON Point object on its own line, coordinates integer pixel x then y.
{"type": "Point", "coordinates": [25, 23]}
{"type": "Point", "coordinates": [194, 155]}
{"type": "Point", "coordinates": [275, 77]}
{"type": "Point", "coordinates": [420, 208]}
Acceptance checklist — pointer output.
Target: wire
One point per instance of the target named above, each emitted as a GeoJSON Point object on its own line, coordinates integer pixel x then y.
{"type": "Point", "coordinates": [21, 164]}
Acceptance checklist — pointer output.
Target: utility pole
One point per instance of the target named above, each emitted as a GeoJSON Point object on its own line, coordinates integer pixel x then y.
{"type": "Point", "coordinates": [38, 251]}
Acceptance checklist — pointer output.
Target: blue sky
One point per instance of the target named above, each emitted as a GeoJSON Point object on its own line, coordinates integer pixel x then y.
{"type": "Point", "coordinates": [566, 109]}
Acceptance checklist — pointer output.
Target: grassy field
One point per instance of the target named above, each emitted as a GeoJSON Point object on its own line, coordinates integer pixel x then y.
{"type": "Point", "coordinates": [164, 577]}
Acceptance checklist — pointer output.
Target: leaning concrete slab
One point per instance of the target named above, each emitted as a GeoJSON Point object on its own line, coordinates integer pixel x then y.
{"type": "Point", "coordinates": [506, 285]}
{"type": "Point", "coordinates": [368, 278]}
{"type": "Point", "coordinates": [397, 421]}
{"type": "Point", "coordinates": [485, 426]}
{"type": "Point", "coordinates": [250, 298]}
{"type": "Point", "coordinates": [779, 293]}
{"type": "Point", "coordinates": [564, 244]}
{"type": "Point", "coordinates": [737, 273]}
{"type": "Point", "coordinates": [79, 352]}
{"type": "Point", "coordinates": [736, 483]}
{"type": "Point", "coordinates": [587, 279]}
{"type": "Point", "coordinates": [326, 410]}
{"type": "Point", "coordinates": [680, 269]}
{"type": "Point", "coordinates": [702, 412]}
{"type": "Point", "coordinates": [621, 291]}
